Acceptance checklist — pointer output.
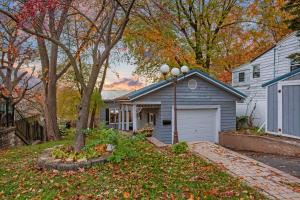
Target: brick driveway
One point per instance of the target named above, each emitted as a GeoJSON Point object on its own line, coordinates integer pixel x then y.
{"type": "Point", "coordinates": [274, 183]}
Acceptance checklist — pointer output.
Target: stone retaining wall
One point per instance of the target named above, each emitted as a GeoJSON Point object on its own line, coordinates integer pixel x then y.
{"type": "Point", "coordinates": [46, 161]}
{"type": "Point", "coordinates": [8, 138]}
{"type": "Point", "coordinates": [262, 144]}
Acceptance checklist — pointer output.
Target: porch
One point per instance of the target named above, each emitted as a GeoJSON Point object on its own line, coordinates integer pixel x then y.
{"type": "Point", "coordinates": [127, 116]}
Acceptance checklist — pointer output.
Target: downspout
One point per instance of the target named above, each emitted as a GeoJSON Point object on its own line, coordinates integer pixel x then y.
{"type": "Point", "coordinates": [274, 62]}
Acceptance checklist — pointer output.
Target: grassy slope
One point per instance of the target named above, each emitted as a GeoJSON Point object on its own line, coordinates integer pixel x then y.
{"type": "Point", "coordinates": [153, 174]}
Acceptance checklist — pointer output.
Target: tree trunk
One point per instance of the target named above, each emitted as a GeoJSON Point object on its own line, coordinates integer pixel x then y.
{"type": "Point", "coordinates": [95, 106]}
{"type": "Point", "coordinates": [50, 112]}
{"type": "Point", "coordinates": [93, 116]}
{"type": "Point", "coordinates": [198, 53]}
{"type": "Point", "coordinates": [81, 124]}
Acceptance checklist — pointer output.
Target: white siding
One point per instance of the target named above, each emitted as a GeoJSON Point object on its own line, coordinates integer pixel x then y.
{"type": "Point", "coordinates": [268, 71]}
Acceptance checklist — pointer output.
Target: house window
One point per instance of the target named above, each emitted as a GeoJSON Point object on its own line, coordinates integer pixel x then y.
{"type": "Point", "coordinates": [130, 116]}
{"type": "Point", "coordinates": [151, 119]}
{"type": "Point", "coordinates": [242, 77]}
{"type": "Point", "coordinates": [113, 116]}
{"type": "Point", "coordinates": [256, 71]}
{"type": "Point", "coordinates": [295, 65]}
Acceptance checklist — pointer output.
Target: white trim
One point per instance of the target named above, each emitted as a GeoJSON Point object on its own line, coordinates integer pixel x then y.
{"type": "Point", "coordinates": [119, 119]}
{"type": "Point", "coordinates": [197, 73]}
{"type": "Point", "coordinates": [185, 107]}
{"type": "Point", "coordinates": [123, 118]}
{"type": "Point", "coordinates": [291, 82]}
{"type": "Point", "coordinates": [134, 118]}
{"type": "Point", "coordinates": [196, 107]}
{"type": "Point", "coordinates": [127, 118]}
{"type": "Point", "coordinates": [147, 103]}
{"type": "Point", "coordinates": [109, 117]}
{"type": "Point", "coordinates": [285, 135]}
{"type": "Point", "coordinates": [279, 107]}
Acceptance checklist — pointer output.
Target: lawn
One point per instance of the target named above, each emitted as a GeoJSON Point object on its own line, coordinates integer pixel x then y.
{"type": "Point", "coordinates": [152, 174]}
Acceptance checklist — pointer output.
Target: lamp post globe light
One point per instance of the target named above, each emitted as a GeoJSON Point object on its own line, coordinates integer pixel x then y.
{"type": "Point", "coordinates": [175, 72]}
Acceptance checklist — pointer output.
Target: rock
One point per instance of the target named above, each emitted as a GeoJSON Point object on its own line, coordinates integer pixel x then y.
{"type": "Point", "coordinates": [82, 160]}
{"type": "Point", "coordinates": [46, 161]}
{"type": "Point", "coordinates": [110, 148]}
{"type": "Point", "coordinates": [69, 160]}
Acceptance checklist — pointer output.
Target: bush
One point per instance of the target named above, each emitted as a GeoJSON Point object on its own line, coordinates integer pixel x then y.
{"type": "Point", "coordinates": [180, 148]}
{"type": "Point", "coordinates": [124, 146]}
{"type": "Point", "coordinates": [242, 122]}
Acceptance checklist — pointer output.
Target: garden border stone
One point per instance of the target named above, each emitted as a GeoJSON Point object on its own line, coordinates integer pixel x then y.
{"type": "Point", "coordinates": [46, 161]}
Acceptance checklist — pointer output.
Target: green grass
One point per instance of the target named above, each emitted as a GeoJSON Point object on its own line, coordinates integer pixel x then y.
{"type": "Point", "coordinates": [153, 174]}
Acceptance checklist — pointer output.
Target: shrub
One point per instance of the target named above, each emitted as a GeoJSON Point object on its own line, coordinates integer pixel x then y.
{"type": "Point", "coordinates": [180, 148]}
{"type": "Point", "coordinates": [58, 153]}
{"type": "Point", "coordinates": [125, 147]}
{"type": "Point", "coordinates": [241, 122]}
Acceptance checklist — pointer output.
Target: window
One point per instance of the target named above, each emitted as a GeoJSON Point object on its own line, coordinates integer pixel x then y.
{"type": "Point", "coordinates": [295, 65]}
{"type": "Point", "coordinates": [242, 77]}
{"type": "Point", "coordinates": [256, 71]}
{"type": "Point", "coordinates": [151, 118]}
{"type": "Point", "coordinates": [130, 116]}
{"type": "Point", "coordinates": [113, 115]}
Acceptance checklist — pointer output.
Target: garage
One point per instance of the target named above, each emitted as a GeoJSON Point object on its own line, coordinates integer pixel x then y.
{"type": "Point", "coordinates": [205, 107]}
{"type": "Point", "coordinates": [198, 124]}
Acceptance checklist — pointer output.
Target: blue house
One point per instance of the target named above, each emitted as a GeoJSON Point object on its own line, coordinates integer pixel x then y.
{"type": "Point", "coordinates": [205, 106]}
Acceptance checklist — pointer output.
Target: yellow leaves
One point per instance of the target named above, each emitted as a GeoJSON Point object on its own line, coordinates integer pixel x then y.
{"type": "Point", "coordinates": [101, 148]}
{"type": "Point", "coordinates": [191, 197]}
{"type": "Point", "coordinates": [67, 101]}
{"type": "Point", "coordinates": [126, 195]}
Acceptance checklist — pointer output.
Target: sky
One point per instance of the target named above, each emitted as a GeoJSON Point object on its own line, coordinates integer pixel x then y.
{"type": "Point", "coordinates": [120, 76]}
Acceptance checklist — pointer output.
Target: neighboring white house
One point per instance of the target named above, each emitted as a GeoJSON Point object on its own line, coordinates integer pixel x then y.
{"type": "Point", "coordinates": [249, 77]}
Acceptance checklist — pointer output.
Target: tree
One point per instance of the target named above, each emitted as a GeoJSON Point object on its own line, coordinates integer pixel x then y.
{"type": "Point", "coordinates": [94, 33]}
{"type": "Point", "coordinates": [109, 25]}
{"type": "Point", "coordinates": [215, 36]}
{"type": "Point", "coordinates": [16, 53]}
{"type": "Point", "coordinates": [293, 7]}
{"type": "Point", "coordinates": [187, 26]}
{"type": "Point", "coordinates": [44, 18]}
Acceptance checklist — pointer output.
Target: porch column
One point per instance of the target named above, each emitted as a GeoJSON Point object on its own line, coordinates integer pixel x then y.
{"type": "Point", "coordinates": [119, 118]}
{"type": "Point", "coordinates": [123, 118]}
{"type": "Point", "coordinates": [134, 120]}
{"type": "Point", "coordinates": [127, 118]}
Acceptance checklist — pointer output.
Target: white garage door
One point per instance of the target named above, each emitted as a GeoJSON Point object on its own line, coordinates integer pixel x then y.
{"type": "Point", "coordinates": [197, 125]}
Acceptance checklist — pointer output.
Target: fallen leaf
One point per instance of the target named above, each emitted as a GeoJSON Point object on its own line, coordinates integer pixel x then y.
{"type": "Point", "coordinates": [126, 195]}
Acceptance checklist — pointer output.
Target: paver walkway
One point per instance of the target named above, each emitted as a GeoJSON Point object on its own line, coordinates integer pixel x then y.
{"type": "Point", "coordinates": [274, 183]}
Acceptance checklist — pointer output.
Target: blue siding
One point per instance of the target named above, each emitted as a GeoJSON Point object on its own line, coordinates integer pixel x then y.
{"type": "Point", "coordinates": [204, 94]}
{"type": "Point", "coordinates": [272, 109]}
{"type": "Point", "coordinates": [291, 110]}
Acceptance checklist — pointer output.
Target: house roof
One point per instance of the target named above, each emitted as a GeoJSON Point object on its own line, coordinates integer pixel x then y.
{"type": "Point", "coordinates": [153, 87]}
{"type": "Point", "coordinates": [282, 77]}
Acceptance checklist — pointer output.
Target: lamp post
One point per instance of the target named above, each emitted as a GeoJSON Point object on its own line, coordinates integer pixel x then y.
{"type": "Point", "coordinates": [175, 72]}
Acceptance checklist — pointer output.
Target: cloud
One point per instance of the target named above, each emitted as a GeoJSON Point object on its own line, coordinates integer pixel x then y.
{"type": "Point", "coordinates": [125, 84]}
